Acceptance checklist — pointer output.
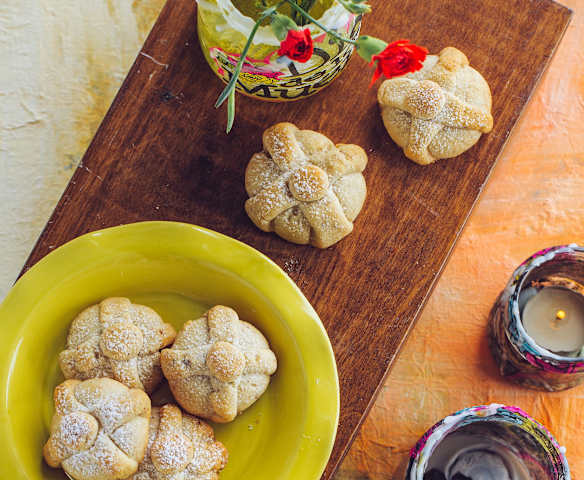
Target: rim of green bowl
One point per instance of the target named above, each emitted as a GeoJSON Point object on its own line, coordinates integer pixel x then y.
{"type": "Point", "coordinates": [29, 289]}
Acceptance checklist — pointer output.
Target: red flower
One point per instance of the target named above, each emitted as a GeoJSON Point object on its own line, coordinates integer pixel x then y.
{"type": "Point", "coordinates": [297, 45]}
{"type": "Point", "coordinates": [397, 59]}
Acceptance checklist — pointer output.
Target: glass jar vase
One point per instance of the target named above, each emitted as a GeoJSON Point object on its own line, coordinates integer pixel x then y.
{"type": "Point", "coordinates": [223, 31]}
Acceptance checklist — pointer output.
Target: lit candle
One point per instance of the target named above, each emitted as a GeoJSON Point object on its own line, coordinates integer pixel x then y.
{"type": "Point", "coordinates": [554, 319]}
{"type": "Point", "coordinates": [536, 327]}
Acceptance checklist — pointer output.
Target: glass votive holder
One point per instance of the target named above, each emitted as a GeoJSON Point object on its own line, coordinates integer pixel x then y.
{"type": "Point", "coordinates": [519, 357]}
{"type": "Point", "coordinates": [490, 442]}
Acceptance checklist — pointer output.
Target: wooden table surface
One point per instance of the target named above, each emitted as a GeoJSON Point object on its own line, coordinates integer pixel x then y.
{"type": "Point", "coordinates": [534, 199]}
{"type": "Point", "coordinates": [379, 466]}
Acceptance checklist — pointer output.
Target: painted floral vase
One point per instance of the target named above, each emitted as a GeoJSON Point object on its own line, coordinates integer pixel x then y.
{"type": "Point", "coordinates": [223, 29]}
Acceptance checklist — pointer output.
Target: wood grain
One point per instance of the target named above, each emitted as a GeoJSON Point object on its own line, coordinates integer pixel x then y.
{"type": "Point", "coordinates": [161, 154]}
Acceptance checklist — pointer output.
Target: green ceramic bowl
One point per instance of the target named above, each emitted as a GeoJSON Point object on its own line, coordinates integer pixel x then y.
{"type": "Point", "coordinates": [179, 270]}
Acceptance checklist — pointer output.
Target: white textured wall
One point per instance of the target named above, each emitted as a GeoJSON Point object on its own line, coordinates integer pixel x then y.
{"type": "Point", "coordinates": [61, 63]}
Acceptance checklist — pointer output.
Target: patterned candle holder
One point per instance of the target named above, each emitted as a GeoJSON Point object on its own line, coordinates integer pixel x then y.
{"type": "Point", "coordinates": [509, 443]}
{"type": "Point", "coordinates": [518, 356]}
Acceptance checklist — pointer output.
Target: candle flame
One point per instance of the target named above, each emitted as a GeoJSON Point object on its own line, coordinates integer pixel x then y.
{"type": "Point", "coordinates": [560, 314]}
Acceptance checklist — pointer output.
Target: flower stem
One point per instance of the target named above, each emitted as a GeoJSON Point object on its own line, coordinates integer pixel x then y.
{"type": "Point", "coordinates": [305, 14]}
{"type": "Point", "coordinates": [227, 90]}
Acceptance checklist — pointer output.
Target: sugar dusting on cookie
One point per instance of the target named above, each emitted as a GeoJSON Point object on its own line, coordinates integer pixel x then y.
{"type": "Point", "coordinates": [171, 453]}
{"type": "Point", "coordinates": [439, 112]}
{"type": "Point", "coordinates": [83, 440]}
{"type": "Point", "coordinates": [111, 345]}
{"type": "Point", "coordinates": [309, 163]}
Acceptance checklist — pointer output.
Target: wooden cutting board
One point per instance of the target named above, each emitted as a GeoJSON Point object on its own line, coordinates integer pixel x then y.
{"type": "Point", "coordinates": [161, 154]}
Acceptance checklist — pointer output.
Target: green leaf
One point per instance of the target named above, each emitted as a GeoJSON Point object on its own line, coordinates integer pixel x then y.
{"type": "Point", "coordinates": [269, 11]}
{"type": "Point", "coordinates": [281, 24]}
{"type": "Point", "coordinates": [226, 91]}
{"type": "Point", "coordinates": [361, 9]}
{"type": "Point", "coordinates": [354, 6]}
{"type": "Point", "coordinates": [368, 46]}
{"type": "Point", "coordinates": [230, 111]}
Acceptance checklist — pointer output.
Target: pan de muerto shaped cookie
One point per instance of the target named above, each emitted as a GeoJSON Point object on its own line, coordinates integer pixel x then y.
{"type": "Point", "coordinates": [180, 447]}
{"type": "Point", "coordinates": [119, 340]}
{"type": "Point", "coordinates": [218, 366]}
{"type": "Point", "coordinates": [439, 111]}
{"type": "Point", "coordinates": [99, 429]}
{"type": "Point", "coordinates": [304, 187]}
